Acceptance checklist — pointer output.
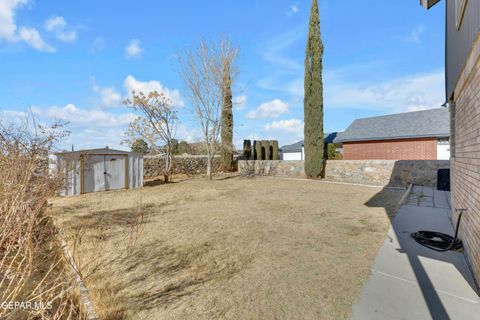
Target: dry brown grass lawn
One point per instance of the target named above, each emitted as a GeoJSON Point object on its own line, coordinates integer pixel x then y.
{"type": "Point", "coordinates": [238, 248]}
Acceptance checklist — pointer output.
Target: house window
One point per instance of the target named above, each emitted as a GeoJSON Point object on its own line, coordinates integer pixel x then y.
{"type": "Point", "coordinates": [443, 141]}
{"type": "Point", "coordinates": [460, 6]}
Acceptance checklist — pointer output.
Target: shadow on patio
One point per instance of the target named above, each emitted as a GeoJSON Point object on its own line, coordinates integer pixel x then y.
{"type": "Point", "coordinates": [409, 281]}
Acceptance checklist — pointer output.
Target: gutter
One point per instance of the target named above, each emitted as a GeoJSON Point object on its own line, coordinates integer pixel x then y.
{"type": "Point", "coordinates": [394, 138]}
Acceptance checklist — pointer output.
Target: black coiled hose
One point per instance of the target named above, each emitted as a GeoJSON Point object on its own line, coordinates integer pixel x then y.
{"type": "Point", "coordinates": [439, 241]}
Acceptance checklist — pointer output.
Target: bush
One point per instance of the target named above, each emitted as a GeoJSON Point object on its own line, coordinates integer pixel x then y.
{"type": "Point", "coordinates": [32, 265]}
{"type": "Point", "coordinates": [332, 153]}
{"type": "Point", "coordinates": [140, 146]}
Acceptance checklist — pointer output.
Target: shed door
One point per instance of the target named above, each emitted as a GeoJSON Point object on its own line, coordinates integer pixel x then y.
{"type": "Point", "coordinates": [114, 172]}
{"type": "Point", "coordinates": [104, 172]}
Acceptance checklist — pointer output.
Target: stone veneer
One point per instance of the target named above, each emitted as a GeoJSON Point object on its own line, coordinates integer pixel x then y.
{"type": "Point", "coordinates": [190, 165]}
{"type": "Point", "coordinates": [371, 172]}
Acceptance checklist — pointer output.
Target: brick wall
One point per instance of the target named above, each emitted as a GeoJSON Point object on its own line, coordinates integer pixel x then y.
{"type": "Point", "coordinates": [404, 149]}
{"type": "Point", "coordinates": [465, 163]}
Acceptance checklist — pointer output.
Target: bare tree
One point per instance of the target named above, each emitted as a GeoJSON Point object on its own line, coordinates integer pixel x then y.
{"type": "Point", "coordinates": [203, 70]}
{"type": "Point", "coordinates": [157, 124]}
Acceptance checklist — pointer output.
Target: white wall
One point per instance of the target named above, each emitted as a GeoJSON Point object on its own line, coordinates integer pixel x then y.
{"type": "Point", "coordinates": [294, 156]}
{"type": "Point", "coordinates": [135, 171]}
{"type": "Point", "coordinates": [443, 151]}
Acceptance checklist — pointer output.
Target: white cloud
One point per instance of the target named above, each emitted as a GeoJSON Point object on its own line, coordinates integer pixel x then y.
{"type": "Point", "coordinates": [285, 131]}
{"type": "Point", "coordinates": [281, 65]}
{"type": "Point", "coordinates": [240, 102]}
{"type": "Point", "coordinates": [98, 45]}
{"type": "Point", "coordinates": [19, 118]}
{"type": "Point", "coordinates": [274, 50]}
{"type": "Point", "coordinates": [91, 138]}
{"type": "Point", "coordinates": [133, 49]}
{"type": "Point", "coordinates": [83, 117]}
{"type": "Point", "coordinates": [287, 126]}
{"type": "Point", "coordinates": [293, 9]}
{"type": "Point", "coordinates": [8, 27]}
{"type": "Point", "coordinates": [90, 128]}
{"type": "Point", "coordinates": [188, 133]}
{"type": "Point", "coordinates": [347, 87]}
{"type": "Point", "coordinates": [32, 37]}
{"type": "Point", "coordinates": [11, 33]}
{"type": "Point", "coordinates": [272, 109]}
{"type": "Point", "coordinates": [131, 84]}
{"type": "Point", "coordinates": [69, 36]}
{"type": "Point", "coordinates": [415, 35]}
{"type": "Point", "coordinates": [109, 96]}
{"type": "Point", "coordinates": [413, 92]}
{"type": "Point", "coordinates": [57, 25]}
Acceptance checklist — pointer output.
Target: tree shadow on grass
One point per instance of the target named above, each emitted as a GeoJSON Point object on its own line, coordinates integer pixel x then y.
{"type": "Point", "coordinates": [159, 274]}
{"type": "Point", "coordinates": [101, 225]}
{"type": "Point", "coordinates": [153, 182]}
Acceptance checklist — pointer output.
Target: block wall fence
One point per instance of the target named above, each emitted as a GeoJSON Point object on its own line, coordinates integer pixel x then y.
{"type": "Point", "coordinates": [370, 172]}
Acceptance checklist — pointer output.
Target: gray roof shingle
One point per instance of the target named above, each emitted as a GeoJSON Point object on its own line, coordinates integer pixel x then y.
{"type": "Point", "coordinates": [417, 124]}
{"type": "Point", "coordinates": [297, 146]}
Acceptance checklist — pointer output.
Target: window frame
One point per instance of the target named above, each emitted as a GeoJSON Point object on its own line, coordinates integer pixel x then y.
{"type": "Point", "coordinates": [445, 141]}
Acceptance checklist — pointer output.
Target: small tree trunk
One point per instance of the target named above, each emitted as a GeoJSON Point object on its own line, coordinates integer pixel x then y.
{"type": "Point", "coordinates": [209, 167]}
{"type": "Point", "coordinates": [168, 165]}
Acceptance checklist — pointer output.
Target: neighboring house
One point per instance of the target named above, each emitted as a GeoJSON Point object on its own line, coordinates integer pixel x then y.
{"type": "Point", "coordinates": [296, 151]}
{"type": "Point", "coordinates": [419, 135]}
{"type": "Point", "coordinates": [463, 96]}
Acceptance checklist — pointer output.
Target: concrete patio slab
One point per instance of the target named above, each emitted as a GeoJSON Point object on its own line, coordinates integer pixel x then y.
{"type": "Point", "coordinates": [409, 281]}
{"type": "Point", "coordinates": [385, 297]}
{"type": "Point", "coordinates": [441, 199]}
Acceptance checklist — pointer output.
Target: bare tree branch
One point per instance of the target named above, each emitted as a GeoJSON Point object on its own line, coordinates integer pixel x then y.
{"type": "Point", "coordinates": [157, 124]}
{"type": "Point", "coordinates": [202, 69]}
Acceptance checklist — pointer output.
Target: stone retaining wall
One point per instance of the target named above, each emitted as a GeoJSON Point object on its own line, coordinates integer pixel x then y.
{"type": "Point", "coordinates": [190, 165]}
{"type": "Point", "coordinates": [372, 172]}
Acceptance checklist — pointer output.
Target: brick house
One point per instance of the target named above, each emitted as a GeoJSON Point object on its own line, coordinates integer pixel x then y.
{"type": "Point", "coordinates": [462, 80]}
{"type": "Point", "coordinates": [419, 135]}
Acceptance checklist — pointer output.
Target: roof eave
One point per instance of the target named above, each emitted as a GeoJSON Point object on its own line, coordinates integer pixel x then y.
{"type": "Point", "coordinates": [291, 150]}
{"type": "Point", "coordinates": [427, 4]}
{"type": "Point", "coordinates": [441, 135]}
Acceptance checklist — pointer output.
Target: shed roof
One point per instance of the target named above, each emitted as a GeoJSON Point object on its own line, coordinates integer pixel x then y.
{"type": "Point", "coordinates": [297, 146]}
{"type": "Point", "coordinates": [97, 151]}
{"type": "Point", "coordinates": [417, 124]}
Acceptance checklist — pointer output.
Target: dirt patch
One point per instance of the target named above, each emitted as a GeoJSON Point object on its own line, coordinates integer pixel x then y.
{"type": "Point", "coordinates": [236, 248]}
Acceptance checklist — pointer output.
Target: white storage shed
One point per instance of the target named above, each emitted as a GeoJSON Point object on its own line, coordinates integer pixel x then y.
{"type": "Point", "coordinates": [97, 170]}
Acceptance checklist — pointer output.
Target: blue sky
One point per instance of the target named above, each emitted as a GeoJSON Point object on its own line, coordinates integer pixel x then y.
{"type": "Point", "coordinates": [76, 60]}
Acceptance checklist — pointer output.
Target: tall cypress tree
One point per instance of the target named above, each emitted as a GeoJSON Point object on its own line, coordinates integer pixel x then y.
{"type": "Point", "coordinates": [226, 152]}
{"type": "Point", "coordinates": [313, 100]}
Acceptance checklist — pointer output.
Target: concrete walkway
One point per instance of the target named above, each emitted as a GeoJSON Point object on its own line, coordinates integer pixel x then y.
{"type": "Point", "coordinates": [409, 281]}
